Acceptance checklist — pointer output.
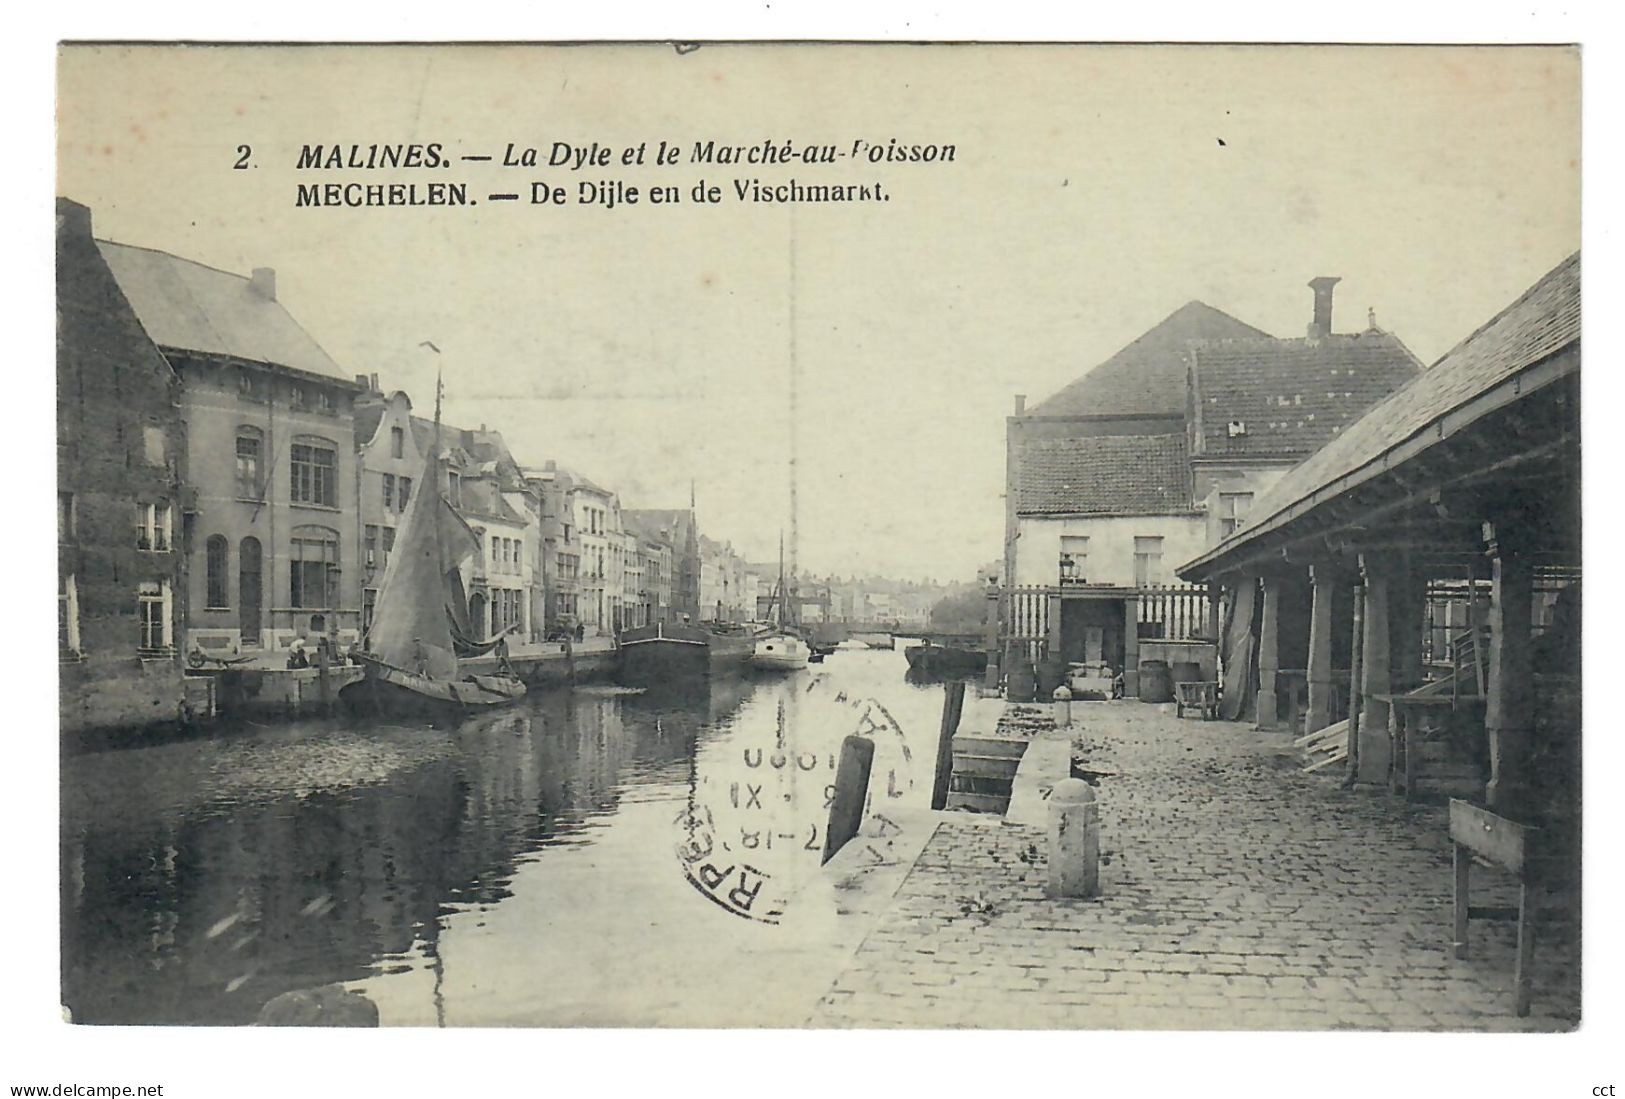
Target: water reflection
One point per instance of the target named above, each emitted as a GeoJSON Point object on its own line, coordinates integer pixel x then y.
{"type": "Point", "coordinates": [202, 879]}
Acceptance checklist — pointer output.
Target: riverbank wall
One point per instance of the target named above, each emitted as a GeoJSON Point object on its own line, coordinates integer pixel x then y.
{"type": "Point", "coordinates": [258, 693]}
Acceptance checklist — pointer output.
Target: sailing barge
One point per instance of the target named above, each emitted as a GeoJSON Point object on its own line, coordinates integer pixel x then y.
{"type": "Point", "coordinates": [412, 646]}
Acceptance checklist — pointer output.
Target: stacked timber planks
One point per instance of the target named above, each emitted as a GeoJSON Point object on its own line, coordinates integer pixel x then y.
{"type": "Point", "coordinates": [1325, 747]}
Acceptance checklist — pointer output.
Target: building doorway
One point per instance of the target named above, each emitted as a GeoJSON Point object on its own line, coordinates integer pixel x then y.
{"type": "Point", "coordinates": [476, 616]}
{"type": "Point", "coordinates": [248, 591]}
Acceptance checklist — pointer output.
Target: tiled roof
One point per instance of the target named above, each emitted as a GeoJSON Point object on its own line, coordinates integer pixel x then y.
{"type": "Point", "coordinates": [1105, 475]}
{"type": "Point", "coordinates": [191, 307]}
{"type": "Point", "coordinates": [1293, 396]}
{"type": "Point", "coordinates": [1147, 376]}
{"type": "Point", "coordinates": [657, 523]}
{"type": "Point", "coordinates": [478, 506]}
{"type": "Point", "coordinates": [1545, 320]}
{"type": "Point", "coordinates": [367, 418]}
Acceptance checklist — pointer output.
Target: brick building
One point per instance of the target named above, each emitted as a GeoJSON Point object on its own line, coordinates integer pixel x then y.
{"type": "Point", "coordinates": [483, 483]}
{"type": "Point", "coordinates": [1156, 455]}
{"type": "Point", "coordinates": [559, 552]}
{"type": "Point", "coordinates": [393, 467]}
{"type": "Point", "coordinates": [676, 527]}
{"type": "Point", "coordinates": [272, 535]}
{"type": "Point", "coordinates": [120, 464]}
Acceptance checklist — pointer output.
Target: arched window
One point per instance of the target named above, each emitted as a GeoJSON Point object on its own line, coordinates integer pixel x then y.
{"type": "Point", "coordinates": [218, 595]}
{"type": "Point", "coordinates": [313, 567]}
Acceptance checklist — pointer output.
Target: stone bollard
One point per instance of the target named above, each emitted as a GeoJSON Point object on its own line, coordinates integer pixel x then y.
{"type": "Point", "coordinates": [1074, 840]}
{"type": "Point", "coordinates": [1061, 706]}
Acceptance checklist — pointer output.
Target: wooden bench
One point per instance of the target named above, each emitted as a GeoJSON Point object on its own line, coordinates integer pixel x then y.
{"type": "Point", "coordinates": [1199, 696]}
{"type": "Point", "coordinates": [1508, 846]}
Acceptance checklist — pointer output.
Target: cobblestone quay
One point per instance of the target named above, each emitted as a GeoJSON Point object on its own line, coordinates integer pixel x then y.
{"type": "Point", "coordinates": [1237, 892]}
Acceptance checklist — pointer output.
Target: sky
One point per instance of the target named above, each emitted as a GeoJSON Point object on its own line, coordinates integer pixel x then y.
{"type": "Point", "coordinates": [1093, 191]}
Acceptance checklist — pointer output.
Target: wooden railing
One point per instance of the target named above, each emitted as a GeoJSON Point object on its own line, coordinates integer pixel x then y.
{"type": "Point", "coordinates": [1172, 612]}
{"type": "Point", "coordinates": [1176, 612]}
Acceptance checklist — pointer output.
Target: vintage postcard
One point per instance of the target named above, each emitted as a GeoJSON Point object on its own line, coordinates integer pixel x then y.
{"type": "Point", "coordinates": [1071, 537]}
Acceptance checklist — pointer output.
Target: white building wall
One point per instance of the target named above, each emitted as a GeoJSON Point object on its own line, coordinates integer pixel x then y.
{"type": "Point", "coordinates": [1110, 557]}
{"type": "Point", "coordinates": [1213, 481]}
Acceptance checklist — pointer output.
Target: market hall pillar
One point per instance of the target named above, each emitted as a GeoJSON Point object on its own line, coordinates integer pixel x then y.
{"type": "Point", "coordinates": [1269, 659]}
{"type": "Point", "coordinates": [1407, 614]}
{"type": "Point", "coordinates": [1376, 753]}
{"type": "Point", "coordinates": [1509, 707]}
{"type": "Point", "coordinates": [1323, 591]}
{"type": "Point", "coordinates": [1131, 647]}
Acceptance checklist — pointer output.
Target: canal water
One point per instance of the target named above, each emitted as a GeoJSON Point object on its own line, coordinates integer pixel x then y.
{"type": "Point", "coordinates": [591, 857]}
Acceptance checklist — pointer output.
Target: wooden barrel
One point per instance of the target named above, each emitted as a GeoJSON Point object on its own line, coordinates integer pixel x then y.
{"type": "Point", "coordinates": [1051, 674]}
{"type": "Point", "coordinates": [1156, 682]}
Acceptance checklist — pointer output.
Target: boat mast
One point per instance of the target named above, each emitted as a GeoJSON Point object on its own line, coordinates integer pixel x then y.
{"type": "Point", "coordinates": [780, 585]}
{"type": "Point", "coordinates": [796, 615]}
{"type": "Point", "coordinates": [434, 451]}
{"type": "Point", "coordinates": [434, 459]}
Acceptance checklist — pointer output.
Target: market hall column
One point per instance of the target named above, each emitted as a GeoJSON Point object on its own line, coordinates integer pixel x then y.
{"type": "Point", "coordinates": [1376, 753]}
{"type": "Point", "coordinates": [1407, 620]}
{"type": "Point", "coordinates": [1509, 708]}
{"type": "Point", "coordinates": [1323, 591]}
{"type": "Point", "coordinates": [1269, 658]}
{"type": "Point", "coordinates": [1131, 647]}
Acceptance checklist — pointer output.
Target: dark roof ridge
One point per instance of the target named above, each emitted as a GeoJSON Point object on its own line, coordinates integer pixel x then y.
{"type": "Point", "coordinates": [1367, 334]}
{"type": "Point", "coordinates": [1069, 442]}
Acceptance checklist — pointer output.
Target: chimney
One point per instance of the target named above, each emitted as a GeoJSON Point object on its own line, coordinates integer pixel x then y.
{"type": "Point", "coordinates": [1322, 324]}
{"type": "Point", "coordinates": [73, 218]}
{"type": "Point", "coordinates": [1021, 403]}
{"type": "Point", "coordinates": [550, 465]}
{"type": "Point", "coordinates": [361, 380]}
{"type": "Point", "coordinates": [263, 283]}
{"type": "Point", "coordinates": [375, 388]}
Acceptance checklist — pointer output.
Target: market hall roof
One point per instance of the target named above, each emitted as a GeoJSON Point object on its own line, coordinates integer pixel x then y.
{"type": "Point", "coordinates": [1288, 398]}
{"type": "Point", "coordinates": [188, 306]}
{"type": "Point", "coordinates": [1540, 324]}
{"type": "Point", "coordinates": [1104, 475]}
{"type": "Point", "coordinates": [1147, 376]}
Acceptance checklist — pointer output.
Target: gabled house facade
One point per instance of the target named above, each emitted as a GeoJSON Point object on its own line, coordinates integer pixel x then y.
{"type": "Point", "coordinates": [559, 547]}
{"type": "Point", "coordinates": [676, 527]}
{"type": "Point", "coordinates": [1153, 457]}
{"type": "Point", "coordinates": [653, 546]}
{"type": "Point", "coordinates": [603, 548]}
{"type": "Point", "coordinates": [271, 536]}
{"type": "Point", "coordinates": [1258, 406]}
{"type": "Point", "coordinates": [484, 485]}
{"type": "Point", "coordinates": [393, 468]}
{"type": "Point", "coordinates": [121, 453]}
